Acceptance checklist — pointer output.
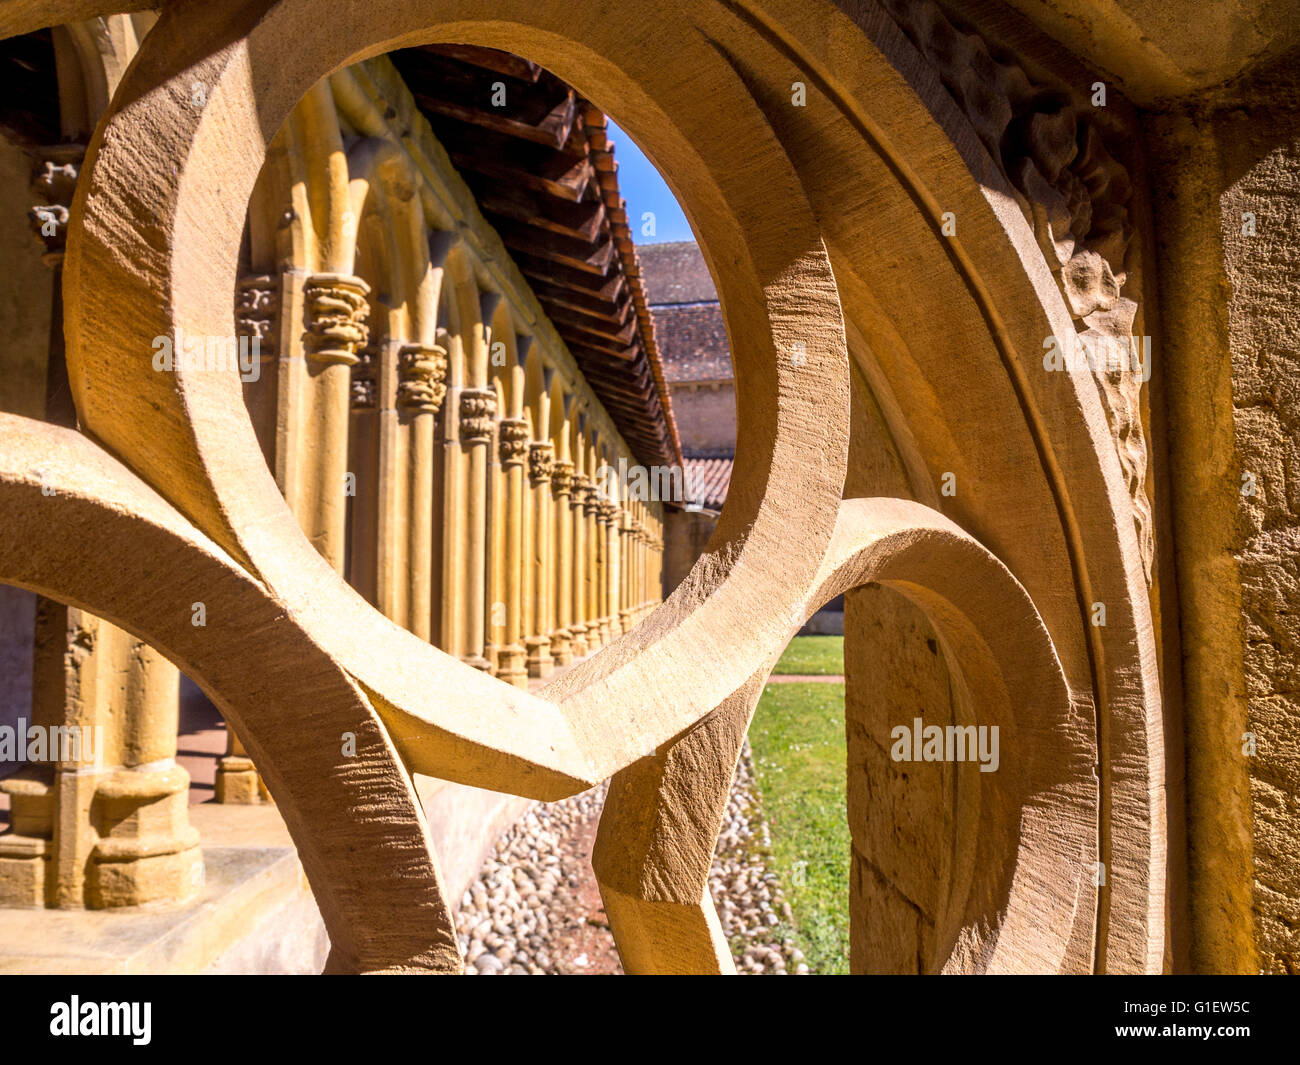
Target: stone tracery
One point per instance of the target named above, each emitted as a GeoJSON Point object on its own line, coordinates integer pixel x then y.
{"type": "Point", "coordinates": [563, 741]}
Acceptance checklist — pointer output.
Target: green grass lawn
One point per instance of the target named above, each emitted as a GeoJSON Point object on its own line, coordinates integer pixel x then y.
{"type": "Point", "coordinates": [813, 655]}
{"type": "Point", "coordinates": [799, 760]}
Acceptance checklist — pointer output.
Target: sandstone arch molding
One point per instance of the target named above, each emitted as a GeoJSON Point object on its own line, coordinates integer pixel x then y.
{"type": "Point", "coordinates": [81, 528]}
{"type": "Point", "coordinates": [195, 444]}
{"type": "Point", "coordinates": [949, 330]}
{"type": "Point", "coordinates": [1021, 899]}
{"type": "Point", "coordinates": [187, 434]}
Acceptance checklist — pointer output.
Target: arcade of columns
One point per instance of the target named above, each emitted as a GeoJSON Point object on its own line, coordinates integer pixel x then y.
{"type": "Point", "coordinates": [428, 427]}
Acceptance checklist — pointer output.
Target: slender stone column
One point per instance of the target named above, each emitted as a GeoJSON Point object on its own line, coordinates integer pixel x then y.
{"type": "Point", "coordinates": [595, 549]}
{"type": "Point", "coordinates": [494, 577]}
{"type": "Point", "coordinates": [529, 577]}
{"type": "Point", "coordinates": [99, 817]}
{"type": "Point", "coordinates": [610, 626]}
{"type": "Point", "coordinates": [561, 634]}
{"type": "Point", "coordinates": [578, 623]}
{"type": "Point", "coordinates": [364, 460]}
{"type": "Point", "coordinates": [421, 388]}
{"type": "Point", "coordinates": [659, 564]}
{"type": "Point", "coordinates": [384, 486]}
{"type": "Point", "coordinates": [513, 436]}
{"type": "Point", "coordinates": [644, 599]}
{"type": "Point", "coordinates": [336, 309]}
{"type": "Point", "coordinates": [596, 579]}
{"type": "Point", "coordinates": [640, 570]}
{"type": "Point", "coordinates": [624, 532]}
{"type": "Point", "coordinates": [452, 530]}
{"type": "Point", "coordinates": [630, 550]}
{"type": "Point", "coordinates": [541, 463]}
{"type": "Point", "coordinates": [477, 413]}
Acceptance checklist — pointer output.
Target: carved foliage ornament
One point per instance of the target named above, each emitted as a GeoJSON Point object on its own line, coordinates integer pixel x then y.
{"type": "Point", "coordinates": [541, 462]}
{"type": "Point", "coordinates": [513, 437]}
{"type": "Point", "coordinates": [421, 377]}
{"type": "Point", "coordinates": [478, 408]}
{"type": "Point", "coordinates": [53, 183]}
{"type": "Point", "coordinates": [365, 389]}
{"type": "Point", "coordinates": [1075, 195]}
{"type": "Point", "coordinates": [562, 478]}
{"type": "Point", "coordinates": [579, 485]}
{"type": "Point", "coordinates": [336, 318]}
{"type": "Point", "coordinates": [257, 305]}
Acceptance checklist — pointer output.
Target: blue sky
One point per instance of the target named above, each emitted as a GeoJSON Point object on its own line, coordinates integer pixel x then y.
{"type": "Point", "coordinates": [644, 190]}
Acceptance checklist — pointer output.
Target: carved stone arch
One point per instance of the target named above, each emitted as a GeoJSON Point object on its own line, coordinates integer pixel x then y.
{"type": "Point", "coordinates": [504, 371]}
{"type": "Point", "coordinates": [772, 286]}
{"type": "Point", "coordinates": [949, 332]}
{"type": "Point", "coordinates": [91, 55]}
{"type": "Point", "coordinates": [458, 316]}
{"type": "Point", "coordinates": [881, 124]}
{"type": "Point", "coordinates": [535, 394]}
{"type": "Point", "coordinates": [556, 427]}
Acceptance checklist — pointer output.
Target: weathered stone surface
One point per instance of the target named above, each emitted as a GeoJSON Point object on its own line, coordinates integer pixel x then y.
{"type": "Point", "coordinates": [837, 256]}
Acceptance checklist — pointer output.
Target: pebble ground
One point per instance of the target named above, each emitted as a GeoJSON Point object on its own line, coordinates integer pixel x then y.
{"type": "Point", "coordinates": [535, 908]}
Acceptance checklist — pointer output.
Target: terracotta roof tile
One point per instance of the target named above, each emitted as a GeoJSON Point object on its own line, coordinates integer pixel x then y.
{"type": "Point", "coordinates": [692, 343]}
{"type": "Point", "coordinates": [674, 272]}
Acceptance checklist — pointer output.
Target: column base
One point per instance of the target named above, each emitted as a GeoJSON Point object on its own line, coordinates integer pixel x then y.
{"type": "Point", "coordinates": [540, 663]}
{"type": "Point", "coordinates": [594, 643]}
{"type": "Point", "coordinates": [626, 620]}
{"type": "Point", "coordinates": [561, 647]}
{"type": "Point", "coordinates": [238, 782]}
{"type": "Point", "coordinates": [23, 864]}
{"type": "Point", "coordinates": [511, 668]}
{"type": "Point", "coordinates": [148, 851]}
{"type": "Point", "coordinates": [478, 662]}
{"type": "Point", "coordinates": [25, 849]}
{"type": "Point", "coordinates": [606, 629]}
{"type": "Point", "coordinates": [578, 639]}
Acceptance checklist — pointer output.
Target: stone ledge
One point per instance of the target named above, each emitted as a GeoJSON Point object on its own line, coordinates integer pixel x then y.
{"type": "Point", "coordinates": [255, 913]}
{"type": "Point", "coordinates": [243, 884]}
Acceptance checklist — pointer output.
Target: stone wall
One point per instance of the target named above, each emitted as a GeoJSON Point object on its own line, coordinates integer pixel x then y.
{"type": "Point", "coordinates": [685, 534]}
{"type": "Point", "coordinates": [1227, 194]}
{"type": "Point", "coordinates": [1264, 340]}
{"type": "Point", "coordinates": [706, 417]}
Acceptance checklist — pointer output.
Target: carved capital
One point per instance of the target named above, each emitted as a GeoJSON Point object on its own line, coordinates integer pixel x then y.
{"type": "Point", "coordinates": [478, 408]}
{"type": "Point", "coordinates": [336, 311]}
{"type": "Point", "coordinates": [607, 513]}
{"type": "Point", "coordinates": [513, 435]}
{"type": "Point", "coordinates": [257, 306]}
{"type": "Point", "coordinates": [541, 462]}
{"type": "Point", "coordinates": [421, 377]}
{"type": "Point", "coordinates": [562, 478]}
{"type": "Point", "coordinates": [579, 485]}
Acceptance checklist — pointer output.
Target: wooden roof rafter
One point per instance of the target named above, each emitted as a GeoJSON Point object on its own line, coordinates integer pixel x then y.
{"type": "Point", "coordinates": [540, 163]}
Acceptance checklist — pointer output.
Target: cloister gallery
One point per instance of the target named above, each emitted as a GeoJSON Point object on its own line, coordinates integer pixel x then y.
{"type": "Point", "coordinates": [329, 361]}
